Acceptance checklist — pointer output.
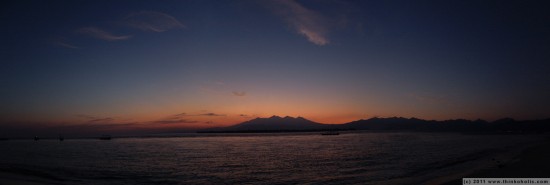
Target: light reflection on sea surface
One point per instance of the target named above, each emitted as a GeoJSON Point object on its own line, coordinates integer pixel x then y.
{"type": "Point", "coordinates": [350, 158]}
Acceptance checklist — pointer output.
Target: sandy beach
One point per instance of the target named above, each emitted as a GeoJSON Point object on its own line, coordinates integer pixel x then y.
{"type": "Point", "coordinates": [532, 162]}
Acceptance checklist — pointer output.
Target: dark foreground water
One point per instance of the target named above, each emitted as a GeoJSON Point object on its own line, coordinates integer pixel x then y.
{"type": "Point", "coordinates": [349, 158]}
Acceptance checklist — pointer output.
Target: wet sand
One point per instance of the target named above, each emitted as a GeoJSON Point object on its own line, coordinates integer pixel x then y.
{"type": "Point", "coordinates": [533, 162]}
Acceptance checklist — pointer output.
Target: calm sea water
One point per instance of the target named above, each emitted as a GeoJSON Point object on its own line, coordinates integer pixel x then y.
{"type": "Point", "coordinates": [349, 158]}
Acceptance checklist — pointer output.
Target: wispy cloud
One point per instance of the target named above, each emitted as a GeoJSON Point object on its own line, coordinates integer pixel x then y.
{"type": "Point", "coordinates": [239, 93]}
{"type": "Point", "coordinates": [101, 34]}
{"type": "Point", "coordinates": [245, 115]}
{"type": "Point", "coordinates": [109, 125]}
{"type": "Point", "coordinates": [65, 44]}
{"type": "Point", "coordinates": [85, 116]}
{"type": "Point", "coordinates": [176, 121]}
{"type": "Point", "coordinates": [181, 118]}
{"type": "Point", "coordinates": [152, 21]}
{"type": "Point", "coordinates": [95, 119]}
{"type": "Point", "coordinates": [102, 120]}
{"type": "Point", "coordinates": [211, 114]}
{"type": "Point", "coordinates": [178, 116]}
{"type": "Point", "coordinates": [305, 21]}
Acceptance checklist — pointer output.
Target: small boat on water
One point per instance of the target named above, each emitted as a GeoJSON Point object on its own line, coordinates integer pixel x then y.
{"type": "Point", "coordinates": [330, 133]}
{"type": "Point", "coordinates": [105, 137]}
{"type": "Point", "coordinates": [61, 138]}
{"type": "Point", "coordinates": [36, 138]}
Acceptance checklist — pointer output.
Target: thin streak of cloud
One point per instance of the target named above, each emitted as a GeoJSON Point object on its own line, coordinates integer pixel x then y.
{"type": "Point", "coordinates": [182, 115]}
{"type": "Point", "coordinates": [85, 116]}
{"type": "Point", "coordinates": [102, 120]}
{"type": "Point", "coordinates": [245, 116]}
{"type": "Point", "coordinates": [174, 119]}
{"type": "Point", "coordinates": [177, 121]}
{"type": "Point", "coordinates": [65, 45]}
{"type": "Point", "coordinates": [211, 114]}
{"type": "Point", "coordinates": [110, 125]}
{"type": "Point", "coordinates": [239, 93]}
{"type": "Point", "coordinates": [306, 22]}
{"type": "Point", "coordinates": [101, 34]}
{"type": "Point", "coordinates": [94, 119]}
{"type": "Point", "coordinates": [178, 116]}
{"type": "Point", "coordinates": [152, 21]}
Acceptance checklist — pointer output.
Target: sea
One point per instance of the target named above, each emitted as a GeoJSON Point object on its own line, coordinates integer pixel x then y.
{"type": "Point", "coordinates": [281, 158]}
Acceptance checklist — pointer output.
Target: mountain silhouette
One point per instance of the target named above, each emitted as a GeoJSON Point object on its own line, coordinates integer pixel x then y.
{"type": "Point", "coordinates": [291, 124]}
{"type": "Point", "coordinates": [277, 123]}
{"type": "Point", "coordinates": [415, 124]}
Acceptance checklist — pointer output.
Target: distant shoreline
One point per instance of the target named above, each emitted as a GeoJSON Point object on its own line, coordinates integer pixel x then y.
{"type": "Point", "coordinates": [274, 131]}
{"type": "Point", "coordinates": [207, 133]}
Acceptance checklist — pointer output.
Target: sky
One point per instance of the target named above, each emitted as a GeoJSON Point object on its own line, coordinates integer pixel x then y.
{"type": "Point", "coordinates": [125, 65]}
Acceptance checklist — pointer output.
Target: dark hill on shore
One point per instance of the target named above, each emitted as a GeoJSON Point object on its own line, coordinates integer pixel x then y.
{"type": "Point", "coordinates": [274, 124]}
{"type": "Point", "coordinates": [291, 124]}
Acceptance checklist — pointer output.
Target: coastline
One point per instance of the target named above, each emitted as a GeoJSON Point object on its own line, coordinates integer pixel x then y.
{"type": "Point", "coordinates": [530, 162]}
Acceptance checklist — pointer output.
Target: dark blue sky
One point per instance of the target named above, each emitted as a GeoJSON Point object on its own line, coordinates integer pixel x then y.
{"type": "Point", "coordinates": [223, 62]}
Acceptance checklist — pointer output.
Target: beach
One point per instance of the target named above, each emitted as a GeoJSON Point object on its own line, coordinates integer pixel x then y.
{"type": "Point", "coordinates": [531, 162]}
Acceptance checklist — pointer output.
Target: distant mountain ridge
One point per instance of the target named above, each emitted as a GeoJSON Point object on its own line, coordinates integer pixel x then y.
{"type": "Point", "coordinates": [274, 123]}
{"type": "Point", "coordinates": [505, 125]}
{"type": "Point", "coordinates": [278, 124]}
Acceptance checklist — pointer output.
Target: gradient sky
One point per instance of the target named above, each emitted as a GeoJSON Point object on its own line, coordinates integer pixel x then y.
{"type": "Point", "coordinates": [131, 65]}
